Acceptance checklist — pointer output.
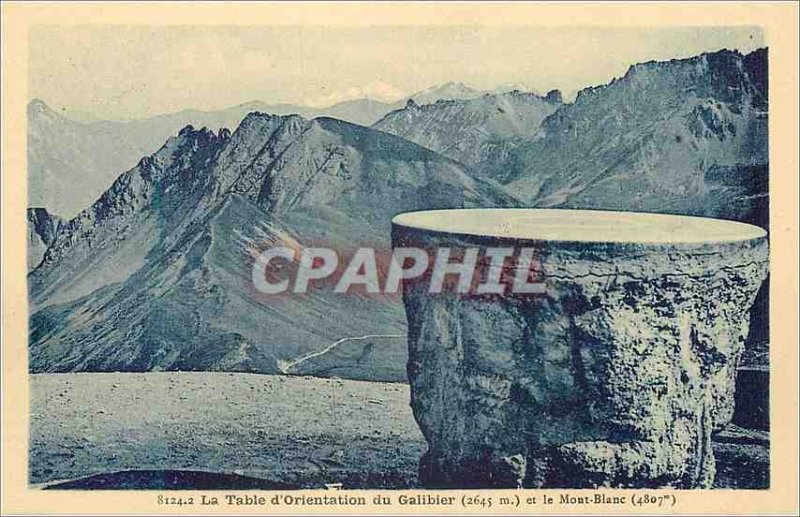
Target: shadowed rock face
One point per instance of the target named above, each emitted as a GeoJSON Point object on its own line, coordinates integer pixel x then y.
{"type": "Point", "coordinates": [42, 230]}
{"type": "Point", "coordinates": [617, 376]}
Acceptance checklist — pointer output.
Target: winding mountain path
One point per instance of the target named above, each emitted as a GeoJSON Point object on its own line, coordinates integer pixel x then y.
{"type": "Point", "coordinates": [288, 366]}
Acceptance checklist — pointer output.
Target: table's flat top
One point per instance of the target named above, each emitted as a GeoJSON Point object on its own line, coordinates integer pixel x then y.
{"type": "Point", "coordinates": [580, 226]}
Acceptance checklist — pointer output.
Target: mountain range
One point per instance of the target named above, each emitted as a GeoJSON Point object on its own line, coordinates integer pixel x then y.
{"type": "Point", "coordinates": [155, 274]}
{"type": "Point", "coordinates": [71, 162]}
{"type": "Point", "coordinates": [684, 136]}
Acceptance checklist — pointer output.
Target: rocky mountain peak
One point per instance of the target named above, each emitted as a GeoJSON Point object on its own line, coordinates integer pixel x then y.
{"type": "Point", "coordinates": [44, 223]}
{"type": "Point", "coordinates": [39, 112]}
{"type": "Point", "coordinates": [266, 122]}
{"type": "Point", "coordinates": [204, 133]}
{"type": "Point", "coordinates": [37, 106]}
{"type": "Point", "coordinates": [186, 130]}
{"type": "Point", "coordinates": [726, 76]}
{"type": "Point", "coordinates": [554, 97]}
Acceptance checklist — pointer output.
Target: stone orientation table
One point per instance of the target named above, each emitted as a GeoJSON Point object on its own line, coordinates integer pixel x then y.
{"type": "Point", "coordinates": [614, 374]}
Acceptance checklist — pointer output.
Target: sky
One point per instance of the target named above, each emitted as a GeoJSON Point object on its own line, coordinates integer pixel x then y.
{"type": "Point", "coordinates": [124, 72]}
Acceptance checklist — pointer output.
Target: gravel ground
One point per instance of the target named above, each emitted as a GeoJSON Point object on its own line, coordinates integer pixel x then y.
{"type": "Point", "coordinates": [255, 431]}
{"type": "Point", "coordinates": [297, 430]}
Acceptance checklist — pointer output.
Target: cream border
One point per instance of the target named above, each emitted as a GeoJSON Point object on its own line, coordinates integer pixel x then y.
{"type": "Point", "coordinates": [780, 21]}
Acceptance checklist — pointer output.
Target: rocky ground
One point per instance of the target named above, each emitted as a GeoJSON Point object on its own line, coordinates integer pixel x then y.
{"type": "Point", "coordinates": [220, 430]}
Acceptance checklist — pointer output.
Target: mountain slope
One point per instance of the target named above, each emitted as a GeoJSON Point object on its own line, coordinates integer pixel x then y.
{"type": "Point", "coordinates": [192, 307]}
{"type": "Point", "coordinates": [479, 131]}
{"type": "Point", "coordinates": [685, 136]}
{"type": "Point", "coordinates": [157, 274]}
{"type": "Point", "coordinates": [143, 209]}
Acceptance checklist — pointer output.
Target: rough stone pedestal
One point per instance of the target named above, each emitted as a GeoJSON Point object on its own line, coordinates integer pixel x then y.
{"type": "Point", "coordinates": [617, 376]}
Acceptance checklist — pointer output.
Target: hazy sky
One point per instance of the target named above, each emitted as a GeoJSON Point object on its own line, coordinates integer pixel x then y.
{"type": "Point", "coordinates": [137, 71]}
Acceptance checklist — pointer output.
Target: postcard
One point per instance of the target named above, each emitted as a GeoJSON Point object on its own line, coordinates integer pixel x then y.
{"type": "Point", "coordinates": [400, 258]}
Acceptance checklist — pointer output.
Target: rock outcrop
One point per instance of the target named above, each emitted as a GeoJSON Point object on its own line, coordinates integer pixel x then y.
{"type": "Point", "coordinates": [42, 230]}
{"type": "Point", "coordinates": [616, 376]}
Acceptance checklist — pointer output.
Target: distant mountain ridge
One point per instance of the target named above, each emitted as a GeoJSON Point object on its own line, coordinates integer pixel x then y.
{"type": "Point", "coordinates": [446, 91]}
{"type": "Point", "coordinates": [70, 162]}
{"type": "Point", "coordinates": [477, 131]}
{"type": "Point", "coordinates": [686, 136]}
